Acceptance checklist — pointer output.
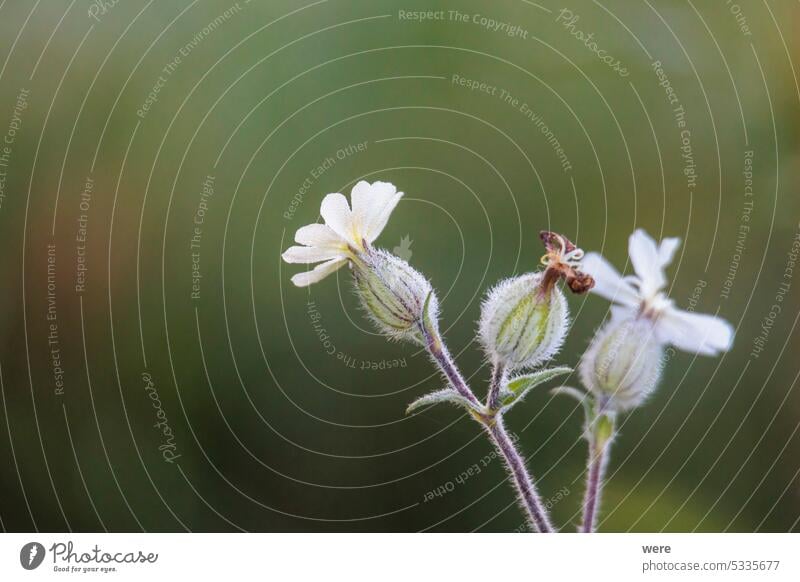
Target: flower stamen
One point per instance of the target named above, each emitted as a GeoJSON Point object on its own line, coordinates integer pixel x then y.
{"type": "Point", "coordinates": [563, 260]}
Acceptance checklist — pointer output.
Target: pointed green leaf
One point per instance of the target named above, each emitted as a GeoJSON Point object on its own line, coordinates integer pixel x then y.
{"type": "Point", "coordinates": [446, 395]}
{"type": "Point", "coordinates": [426, 316]}
{"type": "Point", "coordinates": [520, 384]}
{"type": "Point", "coordinates": [518, 387]}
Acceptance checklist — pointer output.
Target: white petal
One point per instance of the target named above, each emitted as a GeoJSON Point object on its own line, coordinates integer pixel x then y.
{"type": "Point", "coordinates": [372, 206]}
{"type": "Point", "coordinates": [336, 212]}
{"type": "Point", "coordinates": [317, 235]}
{"type": "Point", "coordinates": [646, 262]}
{"type": "Point", "coordinates": [608, 282]}
{"type": "Point", "coordinates": [378, 222]}
{"type": "Point", "coordinates": [623, 312]}
{"type": "Point", "coordinates": [317, 273]}
{"type": "Point", "coordinates": [311, 254]}
{"type": "Point", "coordinates": [363, 195]}
{"type": "Point", "coordinates": [695, 332]}
{"type": "Point", "coordinates": [666, 251]}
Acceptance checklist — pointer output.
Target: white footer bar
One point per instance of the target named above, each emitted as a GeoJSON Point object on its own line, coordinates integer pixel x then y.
{"type": "Point", "coordinates": [374, 557]}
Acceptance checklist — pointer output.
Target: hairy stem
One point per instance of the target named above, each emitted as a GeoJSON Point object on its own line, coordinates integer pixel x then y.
{"type": "Point", "coordinates": [498, 377]}
{"type": "Point", "coordinates": [441, 356]}
{"type": "Point", "coordinates": [526, 490]}
{"type": "Point", "coordinates": [528, 496]}
{"type": "Point", "coordinates": [595, 471]}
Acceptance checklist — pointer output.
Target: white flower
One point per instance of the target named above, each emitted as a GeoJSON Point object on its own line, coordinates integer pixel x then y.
{"type": "Point", "coordinates": [642, 295]}
{"type": "Point", "coordinates": [346, 233]}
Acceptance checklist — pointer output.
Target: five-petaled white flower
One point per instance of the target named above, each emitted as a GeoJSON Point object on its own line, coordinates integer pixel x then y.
{"type": "Point", "coordinates": [643, 295]}
{"type": "Point", "coordinates": [346, 233]}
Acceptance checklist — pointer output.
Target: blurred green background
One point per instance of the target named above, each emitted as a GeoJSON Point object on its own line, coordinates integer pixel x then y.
{"type": "Point", "coordinates": [282, 409]}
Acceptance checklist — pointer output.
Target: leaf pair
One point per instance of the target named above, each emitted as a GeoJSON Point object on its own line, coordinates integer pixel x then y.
{"type": "Point", "coordinates": [515, 391]}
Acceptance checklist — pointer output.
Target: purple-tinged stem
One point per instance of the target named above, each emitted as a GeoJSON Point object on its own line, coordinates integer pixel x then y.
{"type": "Point", "coordinates": [596, 468]}
{"type": "Point", "coordinates": [498, 377]}
{"type": "Point", "coordinates": [526, 490]}
{"type": "Point", "coordinates": [528, 496]}
{"type": "Point", "coordinates": [442, 357]}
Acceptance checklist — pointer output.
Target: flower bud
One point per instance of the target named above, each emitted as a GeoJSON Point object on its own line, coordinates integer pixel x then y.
{"type": "Point", "coordinates": [393, 294]}
{"type": "Point", "coordinates": [623, 363]}
{"type": "Point", "coordinates": [523, 321]}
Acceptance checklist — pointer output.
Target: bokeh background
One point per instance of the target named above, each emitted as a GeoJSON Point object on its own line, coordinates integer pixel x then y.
{"type": "Point", "coordinates": [130, 404]}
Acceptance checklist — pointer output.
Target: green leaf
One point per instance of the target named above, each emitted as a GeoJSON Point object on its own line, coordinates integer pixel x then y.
{"type": "Point", "coordinates": [427, 323]}
{"type": "Point", "coordinates": [519, 386]}
{"type": "Point", "coordinates": [446, 395]}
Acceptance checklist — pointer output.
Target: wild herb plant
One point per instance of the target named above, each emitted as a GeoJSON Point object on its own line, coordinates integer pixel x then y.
{"type": "Point", "coordinates": [523, 323]}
